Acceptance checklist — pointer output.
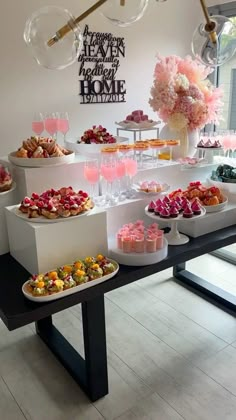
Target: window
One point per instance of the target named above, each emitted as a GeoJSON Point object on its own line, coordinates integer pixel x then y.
{"type": "Point", "coordinates": [226, 75]}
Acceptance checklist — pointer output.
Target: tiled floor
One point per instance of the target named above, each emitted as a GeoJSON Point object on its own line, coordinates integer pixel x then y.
{"type": "Point", "coordinates": [171, 354]}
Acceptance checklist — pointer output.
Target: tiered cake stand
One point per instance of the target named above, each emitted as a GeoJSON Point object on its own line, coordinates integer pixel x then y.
{"type": "Point", "coordinates": [174, 237]}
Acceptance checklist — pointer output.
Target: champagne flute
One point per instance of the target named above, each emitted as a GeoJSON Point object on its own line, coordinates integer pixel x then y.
{"type": "Point", "coordinates": [108, 171]}
{"type": "Point", "coordinates": [63, 123]}
{"type": "Point", "coordinates": [91, 174]}
{"type": "Point", "coordinates": [37, 123]}
{"type": "Point", "coordinates": [51, 123]}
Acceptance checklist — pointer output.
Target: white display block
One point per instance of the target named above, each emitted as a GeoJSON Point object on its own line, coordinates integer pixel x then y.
{"type": "Point", "coordinates": [210, 222]}
{"type": "Point", "coordinates": [41, 247]}
{"type": "Point", "coordinates": [31, 180]}
{"type": "Point", "coordinates": [7, 198]}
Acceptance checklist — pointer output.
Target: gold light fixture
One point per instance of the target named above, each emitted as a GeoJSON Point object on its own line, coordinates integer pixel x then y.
{"type": "Point", "coordinates": [56, 45]}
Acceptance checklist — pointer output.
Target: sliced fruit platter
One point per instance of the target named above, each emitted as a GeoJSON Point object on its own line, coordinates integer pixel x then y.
{"type": "Point", "coordinates": [69, 278]}
{"type": "Point", "coordinates": [40, 151]}
{"type": "Point", "coordinates": [52, 205]}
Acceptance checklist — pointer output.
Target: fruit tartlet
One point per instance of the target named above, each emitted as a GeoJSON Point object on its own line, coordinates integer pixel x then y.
{"type": "Point", "coordinates": [5, 179]}
{"type": "Point", "coordinates": [52, 204]}
{"type": "Point", "coordinates": [70, 275]}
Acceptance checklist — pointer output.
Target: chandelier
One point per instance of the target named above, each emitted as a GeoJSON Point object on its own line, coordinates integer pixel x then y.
{"type": "Point", "coordinates": [55, 38]}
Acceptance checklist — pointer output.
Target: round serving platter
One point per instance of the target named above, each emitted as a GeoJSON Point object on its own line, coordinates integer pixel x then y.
{"type": "Point", "coordinates": [72, 290]}
{"type": "Point", "coordinates": [41, 162]}
{"type": "Point", "coordinates": [42, 219]}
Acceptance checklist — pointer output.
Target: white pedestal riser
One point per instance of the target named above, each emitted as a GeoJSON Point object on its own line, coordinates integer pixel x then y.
{"type": "Point", "coordinates": [42, 247]}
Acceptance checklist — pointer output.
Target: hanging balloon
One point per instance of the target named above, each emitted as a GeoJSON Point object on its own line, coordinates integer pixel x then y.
{"type": "Point", "coordinates": [215, 47]}
{"type": "Point", "coordinates": [124, 12]}
{"type": "Point", "coordinates": [41, 26]}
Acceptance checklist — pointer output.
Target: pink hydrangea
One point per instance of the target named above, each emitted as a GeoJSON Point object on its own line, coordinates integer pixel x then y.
{"type": "Point", "coordinates": [181, 87]}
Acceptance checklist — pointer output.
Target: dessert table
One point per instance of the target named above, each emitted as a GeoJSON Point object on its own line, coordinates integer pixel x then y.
{"type": "Point", "coordinates": [91, 373]}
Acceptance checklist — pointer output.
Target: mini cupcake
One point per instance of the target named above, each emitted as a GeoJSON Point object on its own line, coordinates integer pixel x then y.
{"type": "Point", "coordinates": [188, 213]}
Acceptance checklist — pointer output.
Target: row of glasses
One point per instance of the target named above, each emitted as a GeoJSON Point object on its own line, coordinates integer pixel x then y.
{"type": "Point", "coordinates": [52, 123]}
{"type": "Point", "coordinates": [112, 169]}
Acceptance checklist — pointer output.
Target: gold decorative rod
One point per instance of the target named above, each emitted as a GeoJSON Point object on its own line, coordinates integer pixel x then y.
{"type": "Point", "coordinates": [210, 25]}
{"type": "Point", "coordinates": [72, 23]}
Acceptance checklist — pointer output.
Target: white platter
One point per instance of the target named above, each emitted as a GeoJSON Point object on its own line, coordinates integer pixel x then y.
{"type": "Point", "coordinates": [230, 187]}
{"type": "Point", "coordinates": [137, 259]}
{"type": "Point", "coordinates": [136, 187]}
{"type": "Point", "coordinates": [137, 126]}
{"type": "Point", "coordinates": [218, 207]}
{"type": "Point", "coordinates": [209, 148]}
{"type": "Point", "coordinates": [40, 162]}
{"type": "Point", "coordinates": [174, 219]}
{"type": "Point", "coordinates": [42, 219]}
{"type": "Point", "coordinates": [92, 149]}
{"type": "Point", "coordinates": [13, 187]}
{"type": "Point", "coordinates": [59, 295]}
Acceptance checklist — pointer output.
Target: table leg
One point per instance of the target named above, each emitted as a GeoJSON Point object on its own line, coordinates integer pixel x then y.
{"type": "Point", "coordinates": [134, 136]}
{"type": "Point", "coordinates": [204, 288]}
{"type": "Point", "coordinates": [90, 373]}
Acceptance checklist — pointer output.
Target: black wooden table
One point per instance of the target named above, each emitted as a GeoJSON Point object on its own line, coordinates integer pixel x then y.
{"type": "Point", "coordinates": [91, 372]}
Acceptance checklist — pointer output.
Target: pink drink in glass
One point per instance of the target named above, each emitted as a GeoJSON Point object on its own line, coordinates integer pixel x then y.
{"type": "Point", "coordinates": [51, 125]}
{"type": "Point", "coordinates": [91, 173]}
{"type": "Point", "coordinates": [120, 169]}
{"type": "Point", "coordinates": [63, 126]}
{"type": "Point", "coordinates": [227, 141]}
{"type": "Point", "coordinates": [37, 127]}
{"type": "Point", "coordinates": [131, 166]}
{"type": "Point", "coordinates": [109, 172]}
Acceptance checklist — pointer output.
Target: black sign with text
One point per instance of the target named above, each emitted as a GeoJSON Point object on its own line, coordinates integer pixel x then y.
{"type": "Point", "coordinates": [99, 62]}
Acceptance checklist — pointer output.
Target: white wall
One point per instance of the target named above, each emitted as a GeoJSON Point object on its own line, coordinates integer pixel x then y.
{"type": "Point", "coordinates": [25, 87]}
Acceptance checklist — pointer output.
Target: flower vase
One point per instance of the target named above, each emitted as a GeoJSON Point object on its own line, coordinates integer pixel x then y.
{"type": "Point", "coordinates": [188, 141]}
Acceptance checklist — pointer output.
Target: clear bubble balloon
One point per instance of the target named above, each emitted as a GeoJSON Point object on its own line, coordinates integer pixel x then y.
{"type": "Point", "coordinates": [42, 26]}
{"type": "Point", "coordinates": [124, 13]}
{"type": "Point", "coordinates": [224, 46]}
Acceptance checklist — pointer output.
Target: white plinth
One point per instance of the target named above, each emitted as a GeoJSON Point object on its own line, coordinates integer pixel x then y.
{"type": "Point", "coordinates": [41, 247]}
{"type": "Point", "coordinates": [31, 180]}
{"type": "Point", "coordinates": [137, 259]}
{"type": "Point", "coordinates": [7, 198]}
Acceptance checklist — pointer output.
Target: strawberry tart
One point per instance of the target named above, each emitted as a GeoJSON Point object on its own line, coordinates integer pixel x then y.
{"type": "Point", "coordinates": [52, 204]}
{"type": "Point", "coordinates": [5, 179]}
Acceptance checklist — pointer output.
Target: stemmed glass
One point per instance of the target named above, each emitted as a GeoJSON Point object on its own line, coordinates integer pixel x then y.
{"type": "Point", "coordinates": [108, 171]}
{"type": "Point", "coordinates": [91, 174]}
{"type": "Point", "coordinates": [120, 173]}
{"type": "Point", "coordinates": [51, 123]}
{"type": "Point", "coordinates": [38, 124]}
{"type": "Point", "coordinates": [131, 169]}
{"type": "Point", "coordinates": [63, 123]}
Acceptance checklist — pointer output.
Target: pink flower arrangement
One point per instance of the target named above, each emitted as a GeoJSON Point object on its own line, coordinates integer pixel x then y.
{"type": "Point", "coordinates": [183, 96]}
{"type": "Point", "coordinates": [97, 135]}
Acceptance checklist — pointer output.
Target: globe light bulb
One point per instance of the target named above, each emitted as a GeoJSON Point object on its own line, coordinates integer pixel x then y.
{"type": "Point", "coordinates": [41, 26]}
{"type": "Point", "coordinates": [124, 15]}
{"type": "Point", "coordinates": [214, 50]}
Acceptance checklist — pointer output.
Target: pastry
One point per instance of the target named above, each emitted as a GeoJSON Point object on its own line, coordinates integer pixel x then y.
{"type": "Point", "coordinates": [80, 277]}
{"type": "Point", "coordinates": [22, 153]}
{"type": "Point", "coordinates": [31, 144]}
{"type": "Point", "coordinates": [151, 207]}
{"type": "Point", "coordinates": [25, 205]}
{"type": "Point", "coordinates": [172, 142]}
{"type": "Point", "coordinates": [5, 179]}
{"type": "Point", "coordinates": [95, 272]}
{"type": "Point", "coordinates": [201, 143]}
{"type": "Point", "coordinates": [33, 211]}
{"type": "Point", "coordinates": [41, 147]}
{"type": "Point", "coordinates": [196, 208]}
{"type": "Point", "coordinates": [188, 213]}
{"type": "Point", "coordinates": [164, 214]}
{"type": "Point", "coordinates": [50, 211]}
{"type": "Point", "coordinates": [174, 212]}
